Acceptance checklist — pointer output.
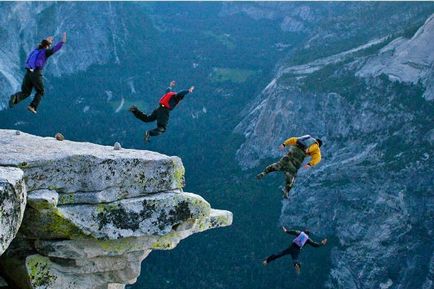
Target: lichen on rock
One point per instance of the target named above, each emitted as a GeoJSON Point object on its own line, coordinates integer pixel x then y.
{"type": "Point", "coordinates": [39, 271]}
{"type": "Point", "coordinates": [93, 213]}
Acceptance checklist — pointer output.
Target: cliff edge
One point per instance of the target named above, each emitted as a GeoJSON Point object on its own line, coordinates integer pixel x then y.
{"type": "Point", "coordinates": [81, 215]}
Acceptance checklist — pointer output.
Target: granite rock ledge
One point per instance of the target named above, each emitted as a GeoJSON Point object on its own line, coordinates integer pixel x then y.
{"type": "Point", "coordinates": [81, 215]}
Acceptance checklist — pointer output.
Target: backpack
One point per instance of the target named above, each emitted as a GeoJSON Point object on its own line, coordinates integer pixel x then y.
{"type": "Point", "coordinates": [304, 142]}
{"type": "Point", "coordinates": [165, 99]}
{"type": "Point", "coordinates": [301, 239]}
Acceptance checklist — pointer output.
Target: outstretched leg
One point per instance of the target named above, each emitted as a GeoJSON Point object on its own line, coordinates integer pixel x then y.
{"type": "Point", "coordinates": [289, 182]}
{"type": "Point", "coordinates": [290, 171]}
{"type": "Point", "coordinates": [271, 168]}
{"type": "Point", "coordinates": [143, 116]}
{"type": "Point", "coordinates": [38, 84]}
{"type": "Point", "coordinates": [26, 90]}
{"type": "Point", "coordinates": [295, 251]}
{"type": "Point", "coordinates": [157, 131]}
{"type": "Point", "coordinates": [276, 256]}
{"type": "Point", "coordinates": [162, 116]}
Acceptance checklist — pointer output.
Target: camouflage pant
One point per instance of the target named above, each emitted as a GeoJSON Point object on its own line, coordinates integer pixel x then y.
{"type": "Point", "coordinates": [289, 165]}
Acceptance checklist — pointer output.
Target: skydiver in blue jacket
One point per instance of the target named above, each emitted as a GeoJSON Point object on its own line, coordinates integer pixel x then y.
{"type": "Point", "coordinates": [33, 78]}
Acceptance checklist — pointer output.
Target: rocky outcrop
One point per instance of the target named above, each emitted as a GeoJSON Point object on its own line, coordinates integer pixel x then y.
{"type": "Point", "coordinates": [94, 213]}
{"type": "Point", "coordinates": [13, 197]}
{"type": "Point", "coordinates": [407, 60]}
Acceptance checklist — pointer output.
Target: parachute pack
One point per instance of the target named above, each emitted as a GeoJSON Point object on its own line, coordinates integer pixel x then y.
{"type": "Point", "coordinates": [305, 142]}
{"type": "Point", "coordinates": [165, 99]}
{"type": "Point", "coordinates": [301, 239]}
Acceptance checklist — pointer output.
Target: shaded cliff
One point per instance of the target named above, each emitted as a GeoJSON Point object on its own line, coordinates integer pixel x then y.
{"type": "Point", "coordinates": [372, 105]}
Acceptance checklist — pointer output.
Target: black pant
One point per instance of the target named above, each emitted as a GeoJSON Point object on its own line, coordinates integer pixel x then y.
{"type": "Point", "coordinates": [293, 250]}
{"type": "Point", "coordinates": [31, 80]}
{"type": "Point", "coordinates": [161, 115]}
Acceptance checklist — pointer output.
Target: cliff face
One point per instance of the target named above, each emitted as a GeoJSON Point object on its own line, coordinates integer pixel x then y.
{"type": "Point", "coordinates": [23, 25]}
{"type": "Point", "coordinates": [372, 105]}
{"type": "Point", "coordinates": [303, 95]}
{"type": "Point", "coordinates": [93, 213]}
{"type": "Point", "coordinates": [407, 60]}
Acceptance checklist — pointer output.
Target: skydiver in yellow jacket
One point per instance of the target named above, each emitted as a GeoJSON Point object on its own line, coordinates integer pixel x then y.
{"type": "Point", "coordinates": [300, 147]}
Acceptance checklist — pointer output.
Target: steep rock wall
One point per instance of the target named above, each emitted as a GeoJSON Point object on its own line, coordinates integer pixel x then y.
{"type": "Point", "coordinates": [373, 189]}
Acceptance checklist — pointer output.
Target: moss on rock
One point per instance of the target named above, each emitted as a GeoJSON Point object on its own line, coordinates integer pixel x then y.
{"type": "Point", "coordinates": [116, 247]}
{"type": "Point", "coordinates": [38, 268]}
{"type": "Point", "coordinates": [49, 224]}
{"type": "Point", "coordinates": [166, 242]}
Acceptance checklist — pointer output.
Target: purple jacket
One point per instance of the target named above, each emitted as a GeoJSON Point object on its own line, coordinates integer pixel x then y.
{"type": "Point", "coordinates": [38, 57]}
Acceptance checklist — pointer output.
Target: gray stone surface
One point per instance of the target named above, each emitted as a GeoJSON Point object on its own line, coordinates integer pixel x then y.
{"type": "Point", "coordinates": [43, 199]}
{"type": "Point", "coordinates": [155, 214]}
{"type": "Point", "coordinates": [12, 204]}
{"type": "Point", "coordinates": [92, 248]}
{"type": "Point", "coordinates": [85, 167]}
{"type": "Point", "coordinates": [116, 286]}
{"type": "Point", "coordinates": [47, 274]}
{"type": "Point", "coordinates": [407, 60]}
{"type": "Point", "coordinates": [93, 213]}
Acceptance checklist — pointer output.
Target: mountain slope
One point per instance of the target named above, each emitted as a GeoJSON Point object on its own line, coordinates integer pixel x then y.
{"type": "Point", "coordinates": [371, 191]}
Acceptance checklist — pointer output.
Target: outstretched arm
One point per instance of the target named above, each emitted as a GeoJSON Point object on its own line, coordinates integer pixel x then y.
{"type": "Point", "coordinates": [315, 244]}
{"type": "Point", "coordinates": [180, 95]}
{"type": "Point", "coordinates": [290, 232]}
{"type": "Point", "coordinates": [56, 47]}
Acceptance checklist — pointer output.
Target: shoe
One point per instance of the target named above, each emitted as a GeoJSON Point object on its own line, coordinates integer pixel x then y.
{"type": "Point", "coordinates": [265, 263]}
{"type": "Point", "coordinates": [12, 101]}
{"type": "Point", "coordinates": [32, 109]}
{"type": "Point", "coordinates": [260, 175]}
{"type": "Point", "coordinates": [285, 194]}
{"type": "Point", "coordinates": [133, 108]}
{"type": "Point", "coordinates": [297, 268]}
{"type": "Point", "coordinates": [147, 137]}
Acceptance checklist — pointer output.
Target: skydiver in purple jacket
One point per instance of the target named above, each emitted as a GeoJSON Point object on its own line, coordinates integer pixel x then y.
{"type": "Point", "coordinates": [295, 248]}
{"type": "Point", "coordinates": [33, 78]}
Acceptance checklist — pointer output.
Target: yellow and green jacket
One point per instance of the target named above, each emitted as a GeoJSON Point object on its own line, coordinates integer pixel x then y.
{"type": "Point", "coordinates": [313, 150]}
